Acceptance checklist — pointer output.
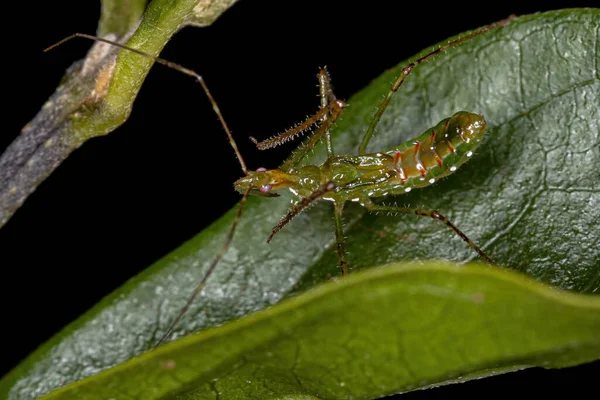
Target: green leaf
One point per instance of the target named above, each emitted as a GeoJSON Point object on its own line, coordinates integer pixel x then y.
{"type": "Point", "coordinates": [389, 330]}
{"type": "Point", "coordinates": [529, 197]}
{"type": "Point", "coordinates": [531, 194]}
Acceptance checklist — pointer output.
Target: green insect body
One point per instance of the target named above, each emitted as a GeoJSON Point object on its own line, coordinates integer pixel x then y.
{"type": "Point", "coordinates": [417, 163]}
{"type": "Point", "coordinates": [414, 164]}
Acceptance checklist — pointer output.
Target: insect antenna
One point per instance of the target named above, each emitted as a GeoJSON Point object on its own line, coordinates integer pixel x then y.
{"type": "Point", "coordinates": [210, 270]}
{"type": "Point", "coordinates": [174, 66]}
{"type": "Point", "coordinates": [217, 111]}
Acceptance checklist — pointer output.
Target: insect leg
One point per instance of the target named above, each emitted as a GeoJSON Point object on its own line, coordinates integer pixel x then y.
{"type": "Point", "coordinates": [174, 66]}
{"type": "Point", "coordinates": [327, 97]}
{"type": "Point", "coordinates": [333, 107]}
{"type": "Point", "coordinates": [435, 215]}
{"type": "Point", "coordinates": [306, 146]}
{"type": "Point", "coordinates": [409, 68]}
{"type": "Point", "coordinates": [210, 270]}
{"type": "Point", "coordinates": [339, 237]}
{"type": "Point", "coordinates": [301, 206]}
{"type": "Point", "coordinates": [329, 105]}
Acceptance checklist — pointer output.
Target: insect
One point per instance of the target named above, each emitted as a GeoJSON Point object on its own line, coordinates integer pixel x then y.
{"type": "Point", "coordinates": [361, 178]}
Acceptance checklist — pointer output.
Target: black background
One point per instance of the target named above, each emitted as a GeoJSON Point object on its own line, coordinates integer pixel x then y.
{"type": "Point", "coordinates": [122, 201]}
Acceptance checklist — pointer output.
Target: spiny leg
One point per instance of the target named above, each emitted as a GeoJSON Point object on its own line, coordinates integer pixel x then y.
{"type": "Point", "coordinates": [174, 66]}
{"type": "Point", "coordinates": [210, 270]}
{"type": "Point", "coordinates": [327, 96]}
{"type": "Point", "coordinates": [307, 145]}
{"type": "Point", "coordinates": [331, 108]}
{"type": "Point", "coordinates": [435, 215]}
{"type": "Point", "coordinates": [339, 237]}
{"type": "Point", "coordinates": [409, 68]}
{"type": "Point", "coordinates": [301, 206]}
{"type": "Point", "coordinates": [325, 89]}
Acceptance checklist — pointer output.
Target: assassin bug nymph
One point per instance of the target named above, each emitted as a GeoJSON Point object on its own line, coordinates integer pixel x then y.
{"type": "Point", "coordinates": [417, 163]}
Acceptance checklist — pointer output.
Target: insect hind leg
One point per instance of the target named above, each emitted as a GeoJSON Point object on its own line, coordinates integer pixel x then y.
{"type": "Point", "coordinates": [437, 216]}
{"type": "Point", "coordinates": [406, 71]}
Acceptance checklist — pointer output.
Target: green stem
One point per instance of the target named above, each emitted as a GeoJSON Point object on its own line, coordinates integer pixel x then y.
{"type": "Point", "coordinates": [97, 94]}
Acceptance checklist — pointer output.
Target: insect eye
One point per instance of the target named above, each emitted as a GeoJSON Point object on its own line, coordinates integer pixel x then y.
{"type": "Point", "coordinates": [261, 169]}
{"type": "Point", "coordinates": [265, 188]}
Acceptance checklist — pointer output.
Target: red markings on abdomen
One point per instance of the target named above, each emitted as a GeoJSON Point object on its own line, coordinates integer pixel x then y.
{"type": "Point", "coordinates": [418, 162]}
{"type": "Point", "coordinates": [437, 158]}
{"type": "Point", "coordinates": [398, 166]}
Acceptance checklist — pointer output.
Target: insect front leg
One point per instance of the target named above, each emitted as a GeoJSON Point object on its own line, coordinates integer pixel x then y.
{"type": "Point", "coordinates": [331, 108]}
{"type": "Point", "coordinates": [310, 143]}
{"type": "Point", "coordinates": [327, 96]}
{"type": "Point", "coordinates": [435, 215]}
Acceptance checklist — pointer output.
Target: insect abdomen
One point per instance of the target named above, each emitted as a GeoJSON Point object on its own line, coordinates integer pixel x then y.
{"type": "Point", "coordinates": [436, 153]}
{"type": "Point", "coordinates": [417, 163]}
